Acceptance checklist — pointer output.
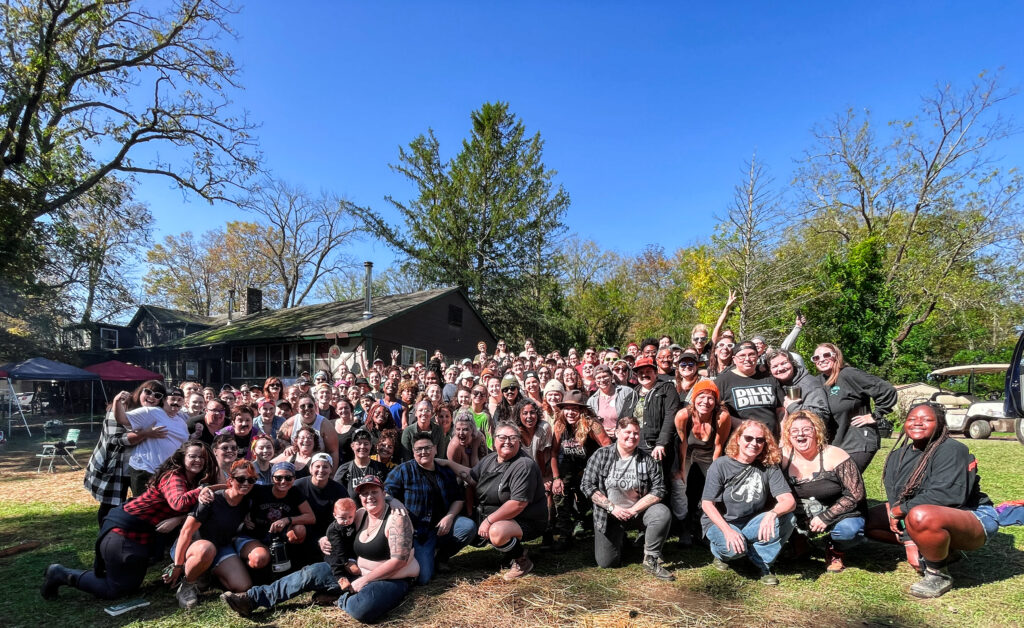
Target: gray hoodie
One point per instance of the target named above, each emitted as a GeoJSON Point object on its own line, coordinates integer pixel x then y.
{"type": "Point", "coordinates": [814, 397]}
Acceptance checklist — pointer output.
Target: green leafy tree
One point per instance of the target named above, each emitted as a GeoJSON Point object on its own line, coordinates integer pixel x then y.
{"type": "Point", "coordinates": [488, 221]}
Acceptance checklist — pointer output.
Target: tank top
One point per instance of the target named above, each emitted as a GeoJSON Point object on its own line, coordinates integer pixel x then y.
{"type": "Point", "coordinates": [377, 548]}
{"type": "Point", "coordinates": [823, 487]}
{"type": "Point", "coordinates": [702, 451]}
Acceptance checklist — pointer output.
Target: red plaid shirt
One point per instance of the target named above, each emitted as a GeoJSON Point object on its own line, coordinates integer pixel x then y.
{"type": "Point", "coordinates": [169, 498]}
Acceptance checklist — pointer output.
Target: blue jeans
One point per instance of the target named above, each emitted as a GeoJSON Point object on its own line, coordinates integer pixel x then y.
{"type": "Point", "coordinates": [847, 533]}
{"type": "Point", "coordinates": [443, 547]}
{"type": "Point", "coordinates": [762, 554]}
{"type": "Point", "coordinates": [375, 600]}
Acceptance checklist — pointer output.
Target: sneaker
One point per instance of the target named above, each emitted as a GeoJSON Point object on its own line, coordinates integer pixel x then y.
{"type": "Point", "coordinates": [239, 602]}
{"type": "Point", "coordinates": [654, 566]}
{"type": "Point", "coordinates": [935, 583]}
{"type": "Point", "coordinates": [720, 565]}
{"type": "Point", "coordinates": [188, 595]}
{"type": "Point", "coordinates": [520, 567]}
{"type": "Point", "coordinates": [769, 579]}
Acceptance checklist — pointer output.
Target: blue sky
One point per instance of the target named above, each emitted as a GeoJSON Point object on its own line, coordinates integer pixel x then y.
{"type": "Point", "coordinates": [648, 109]}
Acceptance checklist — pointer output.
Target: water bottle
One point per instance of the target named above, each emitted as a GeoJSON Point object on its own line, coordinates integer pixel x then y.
{"type": "Point", "coordinates": [279, 561]}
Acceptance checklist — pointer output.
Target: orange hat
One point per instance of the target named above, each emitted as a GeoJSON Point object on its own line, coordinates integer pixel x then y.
{"type": "Point", "coordinates": [704, 385]}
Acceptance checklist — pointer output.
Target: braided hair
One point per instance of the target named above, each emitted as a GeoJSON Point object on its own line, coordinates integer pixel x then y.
{"type": "Point", "coordinates": [940, 435]}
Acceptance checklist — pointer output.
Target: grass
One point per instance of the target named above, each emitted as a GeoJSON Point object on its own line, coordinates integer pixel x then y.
{"type": "Point", "coordinates": [566, 589]}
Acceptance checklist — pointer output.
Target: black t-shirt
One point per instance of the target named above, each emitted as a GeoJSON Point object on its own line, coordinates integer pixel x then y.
{"type": "Point", "coordinates": [756, 397]}
{"type": "Point", "coordinates": [219, 520]}
{"type": "Point", "coordinates": [741, 491]}
{"type": "Point", "coordinates": [321, 501]}
{"type": "Point", "coordinates": [267, 508]}
{"type": "Point", "coordinates": [207, 436]}
{"type": "Point", "coordinates": [517, 479]}
{"type": "Point", "coordinates": [348, 473]}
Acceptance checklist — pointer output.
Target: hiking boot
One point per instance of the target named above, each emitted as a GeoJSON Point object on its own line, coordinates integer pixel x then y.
{"type": "Point", "coordinates": [55, 576]}
{"type": "Point", "coordinates": [520, 567]}
{"type": "Point", "coordinates": [654, 566]}
{"type": "Point", "coordinates": [834, 560]}
{"type": "Point", "coordinates": [239, 602]}
{"type": "Point", "coordinates": [720, 565]}
{"type": "Point", "coordinates": [936, 581]}
{"type": "Point", "coordinates": [188, 595]}
{"type": "Point", "coordinates": [769, 579]}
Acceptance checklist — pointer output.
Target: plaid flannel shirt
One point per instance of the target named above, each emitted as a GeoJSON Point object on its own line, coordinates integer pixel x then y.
{"type": "Point", "coordinates": [599, 467]}
{"type": "Point", "coordinates": [408, 484]}
{"type": "Point", "coordinates": [169, 498]}
{"type": "Point", "coordinates": [106, 473]}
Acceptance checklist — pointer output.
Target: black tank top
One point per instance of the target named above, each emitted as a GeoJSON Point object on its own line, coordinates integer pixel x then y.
{"type": "Point", "coordinates": [702, 451]}
{"type": "Point", "coordinates": [823, 485]}
{"type": "Point", "coordinates": [377, 548]}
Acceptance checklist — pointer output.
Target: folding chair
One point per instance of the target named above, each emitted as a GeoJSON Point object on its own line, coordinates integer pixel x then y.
{"type": "Point", "coordinates": [64, 449]}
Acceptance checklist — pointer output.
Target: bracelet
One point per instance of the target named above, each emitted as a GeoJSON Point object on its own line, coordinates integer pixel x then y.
{"type": "Point", "coordinates": [488, 519]}
{"type": "Point", "coordinates": [182, 566]}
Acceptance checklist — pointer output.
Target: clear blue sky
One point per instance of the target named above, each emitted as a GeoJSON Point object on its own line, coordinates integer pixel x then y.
{"type": "Point", "coordinates": [647, 109]}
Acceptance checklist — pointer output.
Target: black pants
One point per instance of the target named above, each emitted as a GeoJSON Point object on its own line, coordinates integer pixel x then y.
{"type": "Point", "coordinates": [862, 459]}
{"type": "Point", "coordinates": [126, 564]}
{"type": "Point", "coordinates": [105, 508]}
{"type": "Point", "coordinates": [138, 480]}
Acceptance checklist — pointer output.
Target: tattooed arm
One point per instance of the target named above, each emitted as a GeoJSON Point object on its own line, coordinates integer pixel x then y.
{"type": "Point", "coordinates": [401, 564]}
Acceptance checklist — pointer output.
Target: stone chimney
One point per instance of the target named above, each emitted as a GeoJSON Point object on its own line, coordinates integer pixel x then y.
{"type": "Point", "coordinates": [253, 301]}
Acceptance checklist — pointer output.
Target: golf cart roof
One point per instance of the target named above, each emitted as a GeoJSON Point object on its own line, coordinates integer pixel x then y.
{"type": "Point", "coordinates": [967, 369]}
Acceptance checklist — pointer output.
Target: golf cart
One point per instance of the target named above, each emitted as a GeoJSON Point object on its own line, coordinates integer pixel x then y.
{"type": "Point", "coordinates": [970, 412]}
{"type": "Point", "coordinates": [1014, 406]}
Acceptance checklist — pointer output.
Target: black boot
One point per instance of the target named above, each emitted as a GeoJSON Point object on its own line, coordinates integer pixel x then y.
{"type": "Point", "coordinates": [936, 581]}
{"type": "Point", "coordinates": [55, 576]}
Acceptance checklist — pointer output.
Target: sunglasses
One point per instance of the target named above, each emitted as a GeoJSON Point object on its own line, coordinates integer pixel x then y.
{"type": "Point", "coordinates": [727, 345]}
{"type": "Point", "coordinates": [478, 393]}
{"type": "Point", "coordinates": [289, 478]}
{"type": "Point", "coordinates": [687, 363]}
{"type": "Point", "coordinates": [243, 479]}
{"type": "Point", "coordinates": [828, 355]}
{"type": "Point", "coordinates": [699, 339]}
{"type": "Point", "coordinates": [152, 393]}
{"type": "Point", "coordinates": [274, 387]}
{"type": "Point", "coordinates": [306, 406]}
{"type": "Point", "coordinates": [619, 369]}
{"type": "Point", "coordinates": [510, 389]}
{"type": "Point", "coordinates": [217, 411]}
{"type": "Point", "coordinates": [227, 449]}
{"type": "Point", "coordinates": [753, 439]}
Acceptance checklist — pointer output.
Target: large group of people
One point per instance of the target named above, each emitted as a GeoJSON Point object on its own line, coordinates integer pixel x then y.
{"type": "Point", "coordinates": [359, 485]}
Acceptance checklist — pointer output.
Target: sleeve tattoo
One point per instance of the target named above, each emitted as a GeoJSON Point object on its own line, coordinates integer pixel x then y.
{"type": "Point", "coordinates": [400, 538]}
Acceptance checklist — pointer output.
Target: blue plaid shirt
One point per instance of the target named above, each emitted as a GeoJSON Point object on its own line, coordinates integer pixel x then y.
{"type": "Point", "coordinates": [409, 484]}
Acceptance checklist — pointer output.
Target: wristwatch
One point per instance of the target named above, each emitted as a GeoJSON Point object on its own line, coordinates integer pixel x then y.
{"type": "Point", "coordinates": [610, 508]}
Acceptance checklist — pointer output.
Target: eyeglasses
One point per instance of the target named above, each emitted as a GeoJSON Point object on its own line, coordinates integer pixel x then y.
{"type": "Point", "coordinates": [828, 355]}
{"type": "Point", "coordinates": [243, 479]}
{"type": "Point", "coordinates": [619, 369]}
{"type": "Point", "coordinates": [753, 439]}
{"type": "Point", "coordinates": [421, 450]}
{"type": "Point", "coordinates": [807, 431]}
{"type": "Point", "coordinates": [699, 339]}
{"type": "Point", "coordinates": [284, 478]}
{"type": "Point", "coordinates": [727, 345]}
{"type": "Point", "coordinates": [217, 411]}
{"type": "Point", "coordinates": [306, 406]}
{"type": "Point", "coordinates": [746, 357]}
{"type": "Point", "coordinates": [152, 393]}
{"type": "Point", "coordinates": [506, 438]}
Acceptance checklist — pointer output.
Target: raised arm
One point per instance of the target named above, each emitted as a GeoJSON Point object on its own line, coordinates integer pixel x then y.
{"type": "Point", "coordinates": [723, 317]}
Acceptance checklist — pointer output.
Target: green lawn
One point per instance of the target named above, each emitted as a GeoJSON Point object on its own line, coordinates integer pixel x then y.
{"type": "Point", "coordinates": [566, 589]}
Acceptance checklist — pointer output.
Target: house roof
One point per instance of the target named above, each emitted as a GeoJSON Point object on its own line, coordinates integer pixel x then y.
{"type": "Point", "coordinates": [167, 316]}
{"type": "Point", "coordinates": [311, 320]}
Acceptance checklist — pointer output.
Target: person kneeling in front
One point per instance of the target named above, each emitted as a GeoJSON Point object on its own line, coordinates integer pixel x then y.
{"type": "Point", "coordinates": [382, 546]}
{"type": "Point", "coordinates": [626, 485]}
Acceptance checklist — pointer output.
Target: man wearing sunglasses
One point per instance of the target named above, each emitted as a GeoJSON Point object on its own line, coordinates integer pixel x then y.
{"type": "Point", "coordinates": [749, 393]}
{"type": "Point", "coordinates": [309, 417]}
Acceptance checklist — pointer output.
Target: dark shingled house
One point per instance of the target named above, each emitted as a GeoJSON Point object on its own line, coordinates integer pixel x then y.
{"type": "Point", "coordinates": [286, 342]}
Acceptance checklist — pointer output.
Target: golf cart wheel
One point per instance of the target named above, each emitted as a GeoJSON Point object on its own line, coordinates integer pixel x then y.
{"type": "Point", "coordinates": [979, 429]}
{"type": "Point", "coordinates": [1018, 429]}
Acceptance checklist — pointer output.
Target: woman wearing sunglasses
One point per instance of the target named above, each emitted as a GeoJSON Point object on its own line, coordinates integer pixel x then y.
{"type": "Point", "coordinates": [850, 393]}
{"type": "Point", "coordinates": [146, 410]}
{"type": "Point", "coordinates": [208, 538]}
{"type": "Point", "coordinates": [721, 357]}
{"type": "Point", "coordinates": [747, 504]}
{"type": "Point", "coordinates": [276, 510]}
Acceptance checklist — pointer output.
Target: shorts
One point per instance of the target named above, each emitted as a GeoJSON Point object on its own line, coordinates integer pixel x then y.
{"type": "Point", "coordinates": [224, 552]}
{"type": "Point", "coordinates": [531, 528]}
{"type": "Point", "coordinates": [989, 519]}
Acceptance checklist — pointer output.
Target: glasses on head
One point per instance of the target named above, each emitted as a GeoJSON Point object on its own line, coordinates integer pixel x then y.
{"type": "Point", "coordinates": [152, 393]}
{"type": "Point", "coordinates": [243, 479]}
{"type": "Point", "coordinates": [828, 355]}
{"type": "Point", "coordinates": [759, 440]}
{"type": "Point", "coordinates": [284, 478]}
{"type": "Point", "coordinates": [422, 450]}
{"type": "Point", "coordinates": [507, 438]}
{"type": "Point", "coordinates": [727, 345]}
{"type": "Point", "coordinates": [807, 431]}
{"type": "Point", "coordinates": [306, 406]}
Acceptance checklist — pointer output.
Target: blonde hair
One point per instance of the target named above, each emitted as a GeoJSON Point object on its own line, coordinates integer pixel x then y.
{"type": "Point", "coordinates": [815, 421]}
{"type": "Point", "coordinates": [837, 361]}
{"type": "Point", "coordinates": [770, 453]}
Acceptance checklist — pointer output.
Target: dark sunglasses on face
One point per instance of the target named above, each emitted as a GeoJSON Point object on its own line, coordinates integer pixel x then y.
{"type": "Point", "coordinates": [510, 389]}
{"type": "Point", "coordinates": [306, 406]}
{"type": "Point", "coordinates": [699, 339]}
{"type": "Point", "coordinates": [619, 369]}
{"type": "Point", "coordinates": [753, 439]}
{"type": "Point", "coordinates": [243, 479]}
{"type": "Point", "coordinates": [479, 393]}
{"type": "Point", "coordinates": [687, 363]}
{"type": "Point", "coordinates": [828, 355]}
{"type": "Point", "coordinates": [152, 393]}
{"type": "Point", "coordinates": [283, 478]}
{"type": "Point", "coordinates": [274, 387]}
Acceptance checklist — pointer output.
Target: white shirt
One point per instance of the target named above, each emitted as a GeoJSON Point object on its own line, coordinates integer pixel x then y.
{"type": "Point", "coordinates": [152, 452]}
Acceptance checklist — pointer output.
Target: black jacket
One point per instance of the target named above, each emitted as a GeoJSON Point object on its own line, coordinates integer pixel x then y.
{"type": "Point", "coordinates": [660, 409]}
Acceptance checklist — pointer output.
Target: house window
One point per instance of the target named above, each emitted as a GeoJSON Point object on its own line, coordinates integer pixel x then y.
{"type": "Point", "coordinates": [276, 358]}
{"type": "Point", "coordinates": [411, 355]}
{"type": "Point", "coordinates": [455, 315]}
{"type": "Point", "coordinates": [108, 338]}
{"type": "Point", "coordinates": [323, 358]}
{"type": "Point", "coordinates": [248, 362]}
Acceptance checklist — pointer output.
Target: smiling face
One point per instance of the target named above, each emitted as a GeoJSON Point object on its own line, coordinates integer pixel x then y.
{"type": "Point", "coordinates": [723, 350]}
{"type": "Point", "coordinates": [305, 443]}
{"type": "Point", "coordinates": [627, 438]}
{"type": "Point", "coordinates": [226, 453]}
{"type": "Point", "coordinates": [528, 416]}
{"type": "Point", "coordinates": [571, 413]}
{"type": "Point", "coordinates": [444, 418]}
{"type": "Point", "coordinates": [647, 376]}
{"type": "Point", "coordinates": [803, 437]}
{"type": "Point", "coordinates": [746, 361]}
{"type": "Point", "coordinates": [385, 449]}
{"type": "Point", "coordinates": [604, 382]}
{"type": "Point", "coordinates": [705, 403]}
{"type": "Point", "coordinates": [434, 394]}
{"type": "Point", "coordinates": [264, 450]}
{"type": "Point", "coordinates": [464, 432]}
{"type": "Point", "coordinates": [824, 359]}
{"type": "Point", "coordinates": [195, 460]}
{"type": "Point", "coordinates": [921, 424]}
{"type": "Point", "coordinates": [361, 448]}
{"type": "Point", "coordinates": [214, 418]}
{"type": "Point", "coordinates": [751, 443]}
{"type": "Point", "coordinates": [242, 422]}
{"type": "Point", "coordinates": [372, 498]}
{"type": "Point", "coordinates": [506, 442]}
{"type": "Point", "coordinates": [462, 397]}
{"type": "Point", "coordinates": [424, 413]}
{"type": "Point", "coordinates": [781, 368]}
{"type": "Point", "coordinates": [320, 471]}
